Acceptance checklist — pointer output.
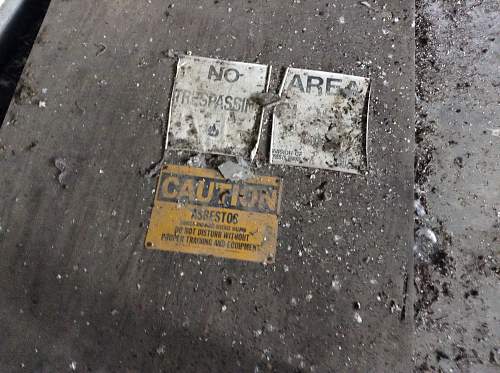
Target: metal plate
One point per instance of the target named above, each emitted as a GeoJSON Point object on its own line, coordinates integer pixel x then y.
{"type": "Point", "coordinates": [199, 212]}
{"type": "Point", "coordinates": [321, 121]}
{"type": "Point", "coordinates": [212, 110]}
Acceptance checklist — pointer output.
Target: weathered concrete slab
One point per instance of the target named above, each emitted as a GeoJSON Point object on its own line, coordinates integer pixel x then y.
{"type": "Point", "coordinates": [77, 286]}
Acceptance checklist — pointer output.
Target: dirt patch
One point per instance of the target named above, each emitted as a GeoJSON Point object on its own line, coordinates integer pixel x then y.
{"type": "Point", "coordinates": [456, 237]}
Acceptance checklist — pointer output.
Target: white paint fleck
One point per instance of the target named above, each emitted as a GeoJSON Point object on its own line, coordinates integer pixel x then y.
{"type": "Point", "coordinates": [495, 132]}
{"type": "Point", "coordinates": [160, 350]}
{"type": "Point", "coordinates": [336, 285]}
{"type": "Point", "coordinates": [419, 209]}
{"type": "Point", "coordinates": [357, 318]}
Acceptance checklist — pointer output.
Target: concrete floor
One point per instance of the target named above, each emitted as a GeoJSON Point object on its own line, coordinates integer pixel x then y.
{"type": "Point", "coordinates": [458, 181]}
{"type": "Point", "coordinates": [458, 173]}
{"type": "Point", "coordinates": [81, 291]}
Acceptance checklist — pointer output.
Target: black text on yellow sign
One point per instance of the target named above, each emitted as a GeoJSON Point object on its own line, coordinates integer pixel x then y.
{"type": "Point", "coordinates": [199, 212]}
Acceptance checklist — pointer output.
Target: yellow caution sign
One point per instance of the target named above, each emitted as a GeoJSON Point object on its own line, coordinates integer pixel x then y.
{"type": "Point", "coordinates": [197, 211]}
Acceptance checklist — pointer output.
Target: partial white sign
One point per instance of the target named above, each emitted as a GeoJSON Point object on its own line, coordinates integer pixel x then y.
{"type": "Point", "coordinates": [212, 109]}
{"type": "Point", "coordinates": [321, 121]}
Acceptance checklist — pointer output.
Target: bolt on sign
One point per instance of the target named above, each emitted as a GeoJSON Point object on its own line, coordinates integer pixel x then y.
{"type": "Point", "coordinates": [211, 109]}
{"type": "Point", "coordinates": [322, 121]}
{"type": "Point", "coordinates": [197, 211]}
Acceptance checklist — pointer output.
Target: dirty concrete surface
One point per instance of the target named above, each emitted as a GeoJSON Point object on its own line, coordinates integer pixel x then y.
{"type": "Point", "coordinates": [457, 305]}
{"type": "Point", "coordinates": [80, 293]}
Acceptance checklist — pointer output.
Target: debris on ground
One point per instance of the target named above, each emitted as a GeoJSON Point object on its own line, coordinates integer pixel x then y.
{"type": "Point", "coordinates": [419, 209]}
{"type": "Point", "coordinates": [495, 132]}
{"type": "Point", "coordinates": [24, 92]}
{"type": "Point", "coordinates": [266, 99]}
{"type": "Point", "coordinates": [197, 160]}
{"type": "Point", "coordinates": [357, 318]}
{"type": "Point", "coordinates": [366, 4]}
{"type": "Point", "coordinates": [62, 166]}
{"type": "Point", "coordinates": [236, 171]}
{"type": "Point", "coordinates": [170, 53]}
{"type": "Point", "coordinates": [427, 233]}
{"type": "Point", "coordinates": [456, 278]}
{"type": "Point", "coordinates": [101, 48]}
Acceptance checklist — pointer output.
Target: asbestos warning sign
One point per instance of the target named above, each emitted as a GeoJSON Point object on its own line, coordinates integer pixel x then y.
{"type": "Point", "coordinates": [321, 121]}
{"type": "Point", "coordinates": [212, 110]}
{"type": "Point", "coordinates": [197, 211]}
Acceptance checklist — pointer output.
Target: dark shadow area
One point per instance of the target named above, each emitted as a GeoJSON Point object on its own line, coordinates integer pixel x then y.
{"type": "Point", "coordinates": [15, 47]}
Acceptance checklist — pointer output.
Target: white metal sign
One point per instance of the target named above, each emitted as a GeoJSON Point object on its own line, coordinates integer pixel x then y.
{"type": "Point", "coordinates": [212, 110]}
{"type": "Point", "coordinates": [321, 121]}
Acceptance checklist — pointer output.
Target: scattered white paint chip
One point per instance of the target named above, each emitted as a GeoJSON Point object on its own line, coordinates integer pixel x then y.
{"type": "Point", "coordinates": [427, 233]}
{"type": "Point", "coordinates": [357, 318]}
{"type": "Point", "coordinates": [212, 108]}
{"type": "Point", "coordinates": [322, 121]}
